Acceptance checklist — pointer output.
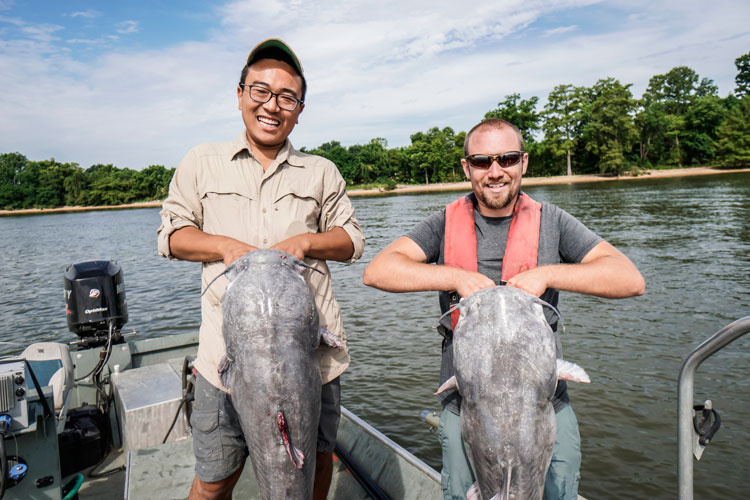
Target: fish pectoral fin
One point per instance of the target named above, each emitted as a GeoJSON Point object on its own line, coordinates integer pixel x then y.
{"type": "Point", "coordinates": [225, 371]}
{"type": "Point", "coordinates": [330, 339]}
{"type": "Point", "coordinates": [448, 385]}
{"type": "Point", "coordinates": [572, 372]}
{"type": "Point", "coordinates": [473, 493]}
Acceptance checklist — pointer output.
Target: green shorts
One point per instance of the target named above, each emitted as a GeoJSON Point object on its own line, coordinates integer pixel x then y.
{"type": "Point", "coordinates": [218, 443]}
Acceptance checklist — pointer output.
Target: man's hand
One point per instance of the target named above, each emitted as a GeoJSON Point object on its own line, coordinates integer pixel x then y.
{"type": "Point", "coordinates": [190, 243]}
{"type": "Point", "coordinates": [533, 281]}
{"type": "Point", "coordinates": [469, 282]}
{"type": "Point", "coordinates": [232, 250]}
{"type": "Point", "coordinates": [299, 246]}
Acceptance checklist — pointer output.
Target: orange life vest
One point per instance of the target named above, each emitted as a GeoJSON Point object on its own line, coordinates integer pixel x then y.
{"type": "Point", "coordinates": [460, 245]}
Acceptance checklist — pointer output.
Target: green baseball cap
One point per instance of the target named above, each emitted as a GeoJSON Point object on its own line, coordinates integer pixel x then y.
{"type": "Point", "coordinates": [274, 44]}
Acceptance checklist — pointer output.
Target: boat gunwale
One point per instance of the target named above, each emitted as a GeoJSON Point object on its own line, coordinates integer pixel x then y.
{"type": "Point", "coordinates": [410, 458]}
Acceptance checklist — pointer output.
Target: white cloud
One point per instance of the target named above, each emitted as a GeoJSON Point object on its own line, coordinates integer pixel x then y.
{"type": "Point", "coordinates": [88, 14]}
{"type": "Point", "coordinates": [127, 27]}
{"type": "Point", "coordinates": [385, 69]}
{"type": "Point", "coordinates": [561, 30]}
{"type": "Point", "coordinates": [101, 41]}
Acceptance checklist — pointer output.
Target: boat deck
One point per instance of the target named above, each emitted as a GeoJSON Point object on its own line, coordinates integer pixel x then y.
{"type": "Point", "coordinates": [166, 471]}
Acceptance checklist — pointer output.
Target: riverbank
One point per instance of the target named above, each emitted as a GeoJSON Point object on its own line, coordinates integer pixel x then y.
{"type": "Point", "coordinates": [539, 181]}
{"type": "Point", "coordinates": [431, 188]}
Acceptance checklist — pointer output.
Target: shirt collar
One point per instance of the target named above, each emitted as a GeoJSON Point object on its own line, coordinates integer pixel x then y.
{"type": "Point", "coordinates": [287, 153]}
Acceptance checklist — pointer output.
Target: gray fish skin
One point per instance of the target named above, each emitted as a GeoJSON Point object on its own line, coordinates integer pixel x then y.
{"type": "Point", "coordinates": [504, 361]}
{"type": "Point", "coordinates": [271, 330]}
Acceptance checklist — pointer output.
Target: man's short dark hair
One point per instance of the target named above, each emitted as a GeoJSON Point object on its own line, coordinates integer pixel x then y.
{"type": "Point", "coordinates": [495, 123]}
{"type": "Point", "coordinates": [278, 55]}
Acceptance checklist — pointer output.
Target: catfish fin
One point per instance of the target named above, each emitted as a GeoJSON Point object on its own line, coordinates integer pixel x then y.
{"type": "Point", "coordinates": [225, 371]}
{"type": "Point", "coordinates": [567, 370]}
{"type": "Point", "coordinates": [473, 493]}
{"type": "Point", "coordinates": [448, 385]}
{"type": "Point", "coordinates": [330, 339]}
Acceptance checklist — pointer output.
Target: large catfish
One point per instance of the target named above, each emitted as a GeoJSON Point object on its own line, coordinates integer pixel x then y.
{"type": "Point", "coordinates": [271, 330]}
{"type": "Point", "coordinates": [504, 358]}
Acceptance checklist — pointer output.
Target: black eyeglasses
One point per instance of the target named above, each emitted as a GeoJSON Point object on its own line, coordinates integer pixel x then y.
{"type": "Point", "coordinates": [505, 160]}
{"type": "Point", "coordinates": [263, 95]}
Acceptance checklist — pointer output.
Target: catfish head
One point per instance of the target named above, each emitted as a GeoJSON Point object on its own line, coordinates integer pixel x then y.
{"type": "Point", "coordinates": [263, 256]}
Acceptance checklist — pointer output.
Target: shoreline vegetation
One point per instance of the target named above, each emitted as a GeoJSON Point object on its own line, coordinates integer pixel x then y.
{"type": "Point", "coordinates": [430, 188]}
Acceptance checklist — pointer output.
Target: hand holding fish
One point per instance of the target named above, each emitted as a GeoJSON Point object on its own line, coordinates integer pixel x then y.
{"type": "Point", "coordinates": [298, 246]}
{"type": "Point", "coordinates": [469, 282]}
{"type": "Point", "coordinates": [232, 250]}
{"type": "Point", "coordinates": [533, 281]}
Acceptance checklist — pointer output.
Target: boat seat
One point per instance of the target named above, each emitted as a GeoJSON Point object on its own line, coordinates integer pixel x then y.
{"type": "Point", "coordinates": [52, 366]}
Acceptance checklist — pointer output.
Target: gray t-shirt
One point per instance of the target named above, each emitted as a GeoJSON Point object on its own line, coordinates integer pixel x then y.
{"type": "Point", "coordinates": [562, 239]}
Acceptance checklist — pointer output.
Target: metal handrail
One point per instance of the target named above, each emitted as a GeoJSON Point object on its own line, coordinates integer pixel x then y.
{"type": "Point", "coordinates": [686, 432]}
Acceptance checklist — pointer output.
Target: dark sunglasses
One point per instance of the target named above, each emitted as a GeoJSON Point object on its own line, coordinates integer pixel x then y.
{"type": "Point", "coordinates": [505, 160]}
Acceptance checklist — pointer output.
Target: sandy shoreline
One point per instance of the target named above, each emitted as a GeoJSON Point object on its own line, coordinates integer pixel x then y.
{"type": "Point", "coordinates": [429, 188]}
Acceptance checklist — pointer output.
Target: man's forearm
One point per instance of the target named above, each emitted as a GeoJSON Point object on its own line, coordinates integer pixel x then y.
{"type": "Point", "coordinates": [611, 277]}
{"type": "Point", "coordinates": [331, 245]}
{"type": "Point", "coordinates": [604, 272]}
{"type": "Point", "coordinates": [190, 243]}
{"type": "Point", "coordinates": [394, 271]}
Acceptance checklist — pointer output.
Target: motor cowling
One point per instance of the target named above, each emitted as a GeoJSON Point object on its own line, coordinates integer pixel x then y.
{"type": "Point", "coordinates": [95, 297]}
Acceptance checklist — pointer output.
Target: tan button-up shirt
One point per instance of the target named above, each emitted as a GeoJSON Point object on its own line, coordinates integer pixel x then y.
{"type": "Point", "coordinates": [221, 189]}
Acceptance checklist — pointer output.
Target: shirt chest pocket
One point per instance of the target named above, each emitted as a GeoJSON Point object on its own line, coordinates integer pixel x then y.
{"type": "Point", "coordinates": [299, 204]}
{"type": "Point", "coordinates": [227, 212]}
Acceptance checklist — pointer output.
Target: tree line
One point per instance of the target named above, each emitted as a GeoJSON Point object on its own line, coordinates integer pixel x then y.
{"type": "Point", "coordinates": [680, 120]}
{"type": "Point", "coordinates": [49, 183]}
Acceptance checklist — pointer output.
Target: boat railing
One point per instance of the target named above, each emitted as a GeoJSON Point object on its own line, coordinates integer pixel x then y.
{"type": "Point", "coordinates": [691, 439]}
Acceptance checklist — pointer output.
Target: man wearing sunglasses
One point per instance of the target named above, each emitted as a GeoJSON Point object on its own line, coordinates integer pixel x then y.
{"type": "Point", "coordinates": [499, 235]}
{"type": "Point", "coordinates": [257, 191]}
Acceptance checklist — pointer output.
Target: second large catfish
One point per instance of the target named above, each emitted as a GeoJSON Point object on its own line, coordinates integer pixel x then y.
{"type": "Point", "coordinates": [504, 358]}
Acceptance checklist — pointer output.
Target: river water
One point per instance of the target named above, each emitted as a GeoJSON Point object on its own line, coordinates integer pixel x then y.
{"type": "Point", "coordinates": [690, 238]}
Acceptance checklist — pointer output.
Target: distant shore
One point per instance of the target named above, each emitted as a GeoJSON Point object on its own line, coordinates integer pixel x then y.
{"type": "Point", "coordinates": [430, 188]}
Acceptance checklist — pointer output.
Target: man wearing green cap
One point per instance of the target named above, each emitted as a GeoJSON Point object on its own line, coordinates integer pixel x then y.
{"type": "Point", "coordinates": [227, 199]}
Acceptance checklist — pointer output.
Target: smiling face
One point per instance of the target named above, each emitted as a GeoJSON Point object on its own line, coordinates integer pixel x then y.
{"type": "Point", "coordinates": [267, 124]}
{"type": "Point", "coordinates": [496, 188]}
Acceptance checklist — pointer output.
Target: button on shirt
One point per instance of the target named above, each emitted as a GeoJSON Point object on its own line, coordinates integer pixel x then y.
{"type": "Point", "coordinates": [221, 189]}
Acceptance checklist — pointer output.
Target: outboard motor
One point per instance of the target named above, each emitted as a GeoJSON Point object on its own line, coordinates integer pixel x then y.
{"type": "Point", "coordinates": [95, 302]}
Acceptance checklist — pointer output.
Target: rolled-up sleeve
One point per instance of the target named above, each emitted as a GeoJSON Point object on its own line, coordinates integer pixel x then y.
{"type": "Point", "coordinates": [337, 211]}
{"type": "Point", "coordinates": [182, 208]}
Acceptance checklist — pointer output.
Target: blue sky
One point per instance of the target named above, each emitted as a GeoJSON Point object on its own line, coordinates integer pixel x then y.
{"type": "Point", "coordinates": [138, 83]}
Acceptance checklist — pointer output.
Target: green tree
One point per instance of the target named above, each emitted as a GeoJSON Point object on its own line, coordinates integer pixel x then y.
{"type": "Point", "coordinates": [743, 75]}
{"type": "Point", "coordinates": [733, 143]}
{"type": "Point", "coordinates": [666, 102]}
{"type": "Point", "coordinates": [702, 121]}
{"type": "Point", "coordinates": [372, 159]}
{"type": "Point", "coordinates": [76, 187]}
{"type": "Point", "coordinates": [151, 183]}
{"type": "Point", "coordinates": [520, 112]}
{"type": "Point", "coordinates": [562, 118]}
{"type": "Point", "coordinates": [109, 185]}
{"type": "Point", "coordinates": [11, 164]}
{"type": "Point", "coordinates": [432, 154]}
{"type": "Point", "coordinates": [611, 131]}
{"type": "Point", "coordinates": [341, 156]}
{"type": "Point", "coordinates": [652, 124]}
